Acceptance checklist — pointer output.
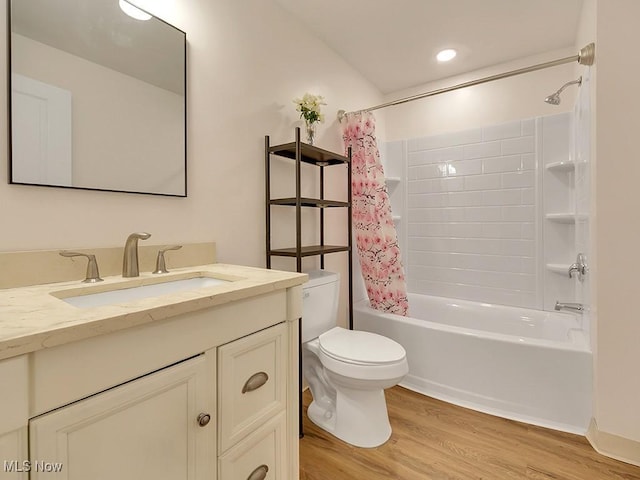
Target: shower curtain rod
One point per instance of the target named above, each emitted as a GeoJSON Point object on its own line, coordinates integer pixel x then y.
{"type": "Point", "coordinates": [585, 57]}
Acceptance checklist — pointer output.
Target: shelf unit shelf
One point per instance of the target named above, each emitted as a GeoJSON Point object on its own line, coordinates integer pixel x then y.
{"type": "Point", "coordinates": [308, 154]}
{"type": "Point", "coordinates": [309, 250]}
{"type": "Point", "coordinates": [308, 202]}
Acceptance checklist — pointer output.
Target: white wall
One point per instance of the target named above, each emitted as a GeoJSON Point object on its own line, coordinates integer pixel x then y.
{"type": "Point", "coordinates": [246, 62]}
{"type": "Point", "coordinates": [491, 103]}
{"type": "Point", "coordinates": [616, 228]}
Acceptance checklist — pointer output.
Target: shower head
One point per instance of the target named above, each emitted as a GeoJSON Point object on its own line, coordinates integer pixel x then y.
{"type": "Point", "coordinates": [554, 98]}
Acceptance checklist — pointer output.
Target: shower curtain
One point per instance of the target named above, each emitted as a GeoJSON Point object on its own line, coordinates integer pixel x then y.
{"type": "Point", "coordinates": [375, 234]}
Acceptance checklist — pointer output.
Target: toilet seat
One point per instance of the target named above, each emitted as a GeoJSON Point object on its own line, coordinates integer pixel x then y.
{"type": "Point", "coordinates": [361, 355]}
{"type": "Point", "coordinates": [360, 348]}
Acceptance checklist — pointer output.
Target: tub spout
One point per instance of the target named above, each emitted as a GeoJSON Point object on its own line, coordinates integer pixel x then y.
{"type": "Point", "coordinates": [572, 307]}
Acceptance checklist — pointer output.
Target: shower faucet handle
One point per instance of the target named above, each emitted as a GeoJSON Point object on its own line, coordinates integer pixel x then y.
{"type": "Point", "coordinates": [92, 275]}
{"type": "Point", "coordinates": [580, 267]}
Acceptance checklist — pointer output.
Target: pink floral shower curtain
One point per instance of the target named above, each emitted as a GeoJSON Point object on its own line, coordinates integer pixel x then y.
{"type": "Point", "coordinates": [375, 234]}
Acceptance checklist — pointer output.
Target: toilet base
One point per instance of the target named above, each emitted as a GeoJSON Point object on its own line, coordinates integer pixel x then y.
{"type": "Point", "coordinates": [360, 417]}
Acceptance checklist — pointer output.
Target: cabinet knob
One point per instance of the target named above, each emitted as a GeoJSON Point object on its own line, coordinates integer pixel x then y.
{"type": "Point", "coordinates": [259, 473]}
{"type": "Point", "coordinates": [255, 381]}
{"type": "Point", "coordinates": [204, 419]}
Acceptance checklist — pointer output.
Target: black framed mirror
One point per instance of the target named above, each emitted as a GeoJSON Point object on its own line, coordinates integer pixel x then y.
{"type": "Point", "coordinates": [97, 98]}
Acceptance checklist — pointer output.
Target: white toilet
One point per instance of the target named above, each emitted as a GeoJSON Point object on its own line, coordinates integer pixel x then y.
{"type": "Point", "coordinates": [347, 370]}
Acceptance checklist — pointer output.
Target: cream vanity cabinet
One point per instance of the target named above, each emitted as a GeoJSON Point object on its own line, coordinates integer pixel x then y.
{"type": "Point", "coordinates": [210, 394]}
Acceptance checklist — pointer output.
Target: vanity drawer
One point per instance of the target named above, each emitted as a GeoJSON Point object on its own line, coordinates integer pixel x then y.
{"type": "Point", "coordinates": [251, 383]}
{"type": "Point", "coordinates": [260, 456]}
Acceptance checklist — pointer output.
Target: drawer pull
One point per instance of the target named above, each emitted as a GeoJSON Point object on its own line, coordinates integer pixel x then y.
{"type": "Point", "coordinates": [255, 381]}
{"type": "Point", "coordinates": [259, 473]}
{"type": "Point", "coordinates": [204, 419]}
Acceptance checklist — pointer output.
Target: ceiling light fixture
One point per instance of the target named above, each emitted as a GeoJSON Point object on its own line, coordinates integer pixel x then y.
{"type": "Point", "coordinates": [446, 55]}
{"type": "Point", "coordinates": [133, 12]}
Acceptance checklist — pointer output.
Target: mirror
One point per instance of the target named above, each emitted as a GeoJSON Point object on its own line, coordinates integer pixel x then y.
{"type": "Point", "coordinates": [98, 98]}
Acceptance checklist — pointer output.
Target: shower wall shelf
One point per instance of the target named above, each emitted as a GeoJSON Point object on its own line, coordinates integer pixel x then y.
{"type": "Point", "coordinates": [564, 217]}
{"type": "Point", "coordinates": [392, 181]}
{"type": "Point", "coordinates": [561, 166]}
{"type": "Point", "coordinates": [558, 268]}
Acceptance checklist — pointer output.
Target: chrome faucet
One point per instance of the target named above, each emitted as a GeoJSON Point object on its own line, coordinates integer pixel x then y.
{"type": "Point", "coordinates": [130, 266]}
{"type": "Point", "coordinates": [580, 266]}
{"type": "Point", "coordinates": [572, 307]}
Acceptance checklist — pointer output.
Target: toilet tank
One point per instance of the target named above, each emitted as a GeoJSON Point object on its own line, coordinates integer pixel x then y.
{"type": "Point", "coordinates": [319, 303]}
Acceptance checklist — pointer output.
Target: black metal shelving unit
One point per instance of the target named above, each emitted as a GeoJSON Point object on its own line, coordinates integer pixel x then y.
{"type": "Point", "coordinates": [301, 153]}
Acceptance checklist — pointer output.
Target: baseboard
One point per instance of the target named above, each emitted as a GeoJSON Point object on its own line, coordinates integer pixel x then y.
{"type": "Point", "coordinates": [613, 446]}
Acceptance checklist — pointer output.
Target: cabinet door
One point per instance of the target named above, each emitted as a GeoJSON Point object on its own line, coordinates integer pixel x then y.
{"type": "Point", "coordinates": [147, 428]}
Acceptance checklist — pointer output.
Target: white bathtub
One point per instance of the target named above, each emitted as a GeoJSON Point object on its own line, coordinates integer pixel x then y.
{"type": "Point", "coordinates": [527, 365]}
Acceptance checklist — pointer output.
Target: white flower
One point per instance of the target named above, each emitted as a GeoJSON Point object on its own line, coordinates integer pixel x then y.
{"type": "Point", "coordinates": [309, 107]}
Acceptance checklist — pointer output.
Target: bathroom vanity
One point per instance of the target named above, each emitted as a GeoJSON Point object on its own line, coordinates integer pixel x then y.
{"type": "Point", "coordinates": [196, 384]}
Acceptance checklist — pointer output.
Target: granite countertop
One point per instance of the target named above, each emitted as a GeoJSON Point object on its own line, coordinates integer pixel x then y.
{"type": "Point", "coordinates": [34, 318]}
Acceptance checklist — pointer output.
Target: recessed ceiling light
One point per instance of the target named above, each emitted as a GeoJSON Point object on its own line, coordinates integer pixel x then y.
{"type": "Point", "coordinates": [133, 12]}
{"type": "Point", "coordinates": [446, 55]}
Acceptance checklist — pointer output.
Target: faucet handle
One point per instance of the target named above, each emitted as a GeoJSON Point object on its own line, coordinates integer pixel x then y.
{"type": "Point", "coordinates": [580, 266]}
{"type": "Point", "coordinates": [92, 275]}
{"type": "Point", "coordinates": [161, 266]}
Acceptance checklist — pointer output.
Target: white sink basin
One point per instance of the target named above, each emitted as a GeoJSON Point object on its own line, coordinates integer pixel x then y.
{"type": "Point", "coordinates": [125, 295]}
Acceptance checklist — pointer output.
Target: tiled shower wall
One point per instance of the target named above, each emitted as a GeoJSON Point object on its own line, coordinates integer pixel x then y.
{"type": "Point", "coordinates": [471, 215]}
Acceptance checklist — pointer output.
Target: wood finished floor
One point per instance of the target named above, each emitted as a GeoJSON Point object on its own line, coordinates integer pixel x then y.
{"type": "Point", "coordinates": [436, 440]}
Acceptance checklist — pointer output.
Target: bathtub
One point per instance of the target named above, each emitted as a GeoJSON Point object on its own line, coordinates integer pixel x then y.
{"type": "Point", "coordinates": [522, 364]}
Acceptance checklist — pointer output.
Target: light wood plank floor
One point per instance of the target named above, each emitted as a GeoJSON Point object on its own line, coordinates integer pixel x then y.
{"type": "Point", "coordinates": [435, 440]}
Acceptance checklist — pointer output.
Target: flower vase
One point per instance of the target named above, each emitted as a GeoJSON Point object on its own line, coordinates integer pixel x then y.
{"type": "Point", "coordinates": [310, 128]}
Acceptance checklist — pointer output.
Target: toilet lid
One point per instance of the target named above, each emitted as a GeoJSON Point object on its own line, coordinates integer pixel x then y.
{"type": "Point", "coordinates": [354, 346]}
